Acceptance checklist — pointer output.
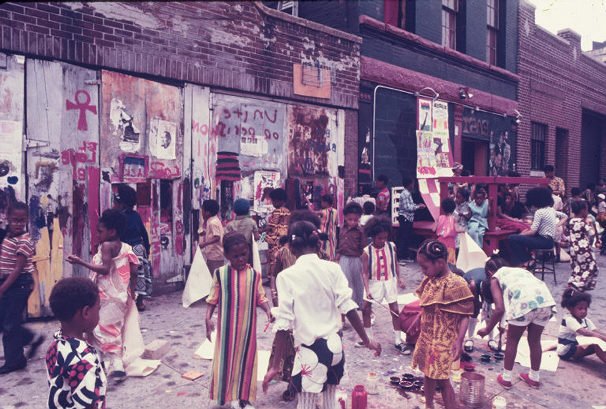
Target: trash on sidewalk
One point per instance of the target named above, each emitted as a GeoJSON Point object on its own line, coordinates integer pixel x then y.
{"type": "Point", "coordinates": [192, 375]}
{"type": "Point", "coordinates": [156, 349]}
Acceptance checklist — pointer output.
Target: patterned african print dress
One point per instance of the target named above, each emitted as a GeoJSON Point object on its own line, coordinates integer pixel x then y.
{"type": "Point", "coordinates": [582, 260]}
{"type": "Point", "coordinates": [237, 293]}
{"type": "Point", "coordinates": [328, 218]}
{"type": "Point", "coordinates": [114, 291]}
{"type": "Point", "coordinates": [277, 226]}
{"type": "Point", "coordinates": [445, 301]}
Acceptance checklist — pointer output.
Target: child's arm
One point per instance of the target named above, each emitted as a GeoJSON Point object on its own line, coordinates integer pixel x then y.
{"type": "Point", "coordinates": [401, 281]}
{"type": "Point", "coordinates": [586, 332]}
{"type": "Point", "coordinates": [210, 326]}
{"type": "Point", "coordinates": [21, 261]}
{"type": "Point", "coordinates": [133, 279]}
{"type": "Point", "coordinates": [106, 261]}
{"type": "Point", "coordinates": [499, 308]}
{"type": "Point", "coordinates": [211, 240]}
{"type": "Point", "coordinates": [364, 259]}
{"type": "Point", "coordinates": [458, 344]}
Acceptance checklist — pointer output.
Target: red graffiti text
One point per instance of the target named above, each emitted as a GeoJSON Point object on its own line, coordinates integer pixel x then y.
{"type": "Point", "coordinates": [160, 170]}
{"type": "Point", "coordinates": [84, 154]}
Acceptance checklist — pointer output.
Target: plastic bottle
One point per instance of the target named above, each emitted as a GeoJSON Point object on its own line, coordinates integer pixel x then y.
{"type": "Point", "coordinates": [359, 397]}
{"type": "Point", "coordinates": [372, 381]}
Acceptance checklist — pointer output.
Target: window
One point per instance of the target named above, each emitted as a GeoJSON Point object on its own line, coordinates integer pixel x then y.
{"type": "Point", "coordinates": [450, 8]}
{"type": "Point", "coordinates": [289, 7]}
{"type": "Point", "coordinates": [537, 146]}
{"type": "Point", "coordinates": [395, 13]}
{"type": "Point", "coordinates": [492, 22]}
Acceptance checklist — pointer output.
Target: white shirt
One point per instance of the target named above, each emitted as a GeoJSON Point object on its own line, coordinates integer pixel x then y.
{"type": "Point", "coordinates": [545, 221]}
{"type": "Point", "coordinates": [312, 295]}
{"type": "Point", "coordinates": [567, 335]}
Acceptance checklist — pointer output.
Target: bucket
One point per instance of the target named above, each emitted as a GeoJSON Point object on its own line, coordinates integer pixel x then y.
{"type": "Point", "coordinates": [472, 389]}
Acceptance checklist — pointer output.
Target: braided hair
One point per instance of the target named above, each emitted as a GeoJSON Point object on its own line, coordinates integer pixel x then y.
{"type": "Point", "coordinates": [433, 250]}
{"type": "Point", "coordinates": [494, 263]}
{"type": "Point", "coordinates": [303, 237]}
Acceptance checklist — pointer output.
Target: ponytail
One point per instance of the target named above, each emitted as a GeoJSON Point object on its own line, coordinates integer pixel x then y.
{"type": "Point", "coordinates": [572, 297]}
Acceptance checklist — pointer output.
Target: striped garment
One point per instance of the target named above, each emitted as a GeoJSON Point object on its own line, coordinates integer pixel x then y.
{"type": "Point", "coordinates": [9, 250]}
{"type": "Point", "coordinates": [382, 262]}
{"type": "Point", "coordinates": [329, 226]}
{"type": "Point", "coordinates": [237, 293]}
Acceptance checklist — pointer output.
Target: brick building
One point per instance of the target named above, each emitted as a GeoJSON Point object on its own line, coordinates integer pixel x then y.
{"type": "Point", "coordinates": [561, 97]}
{"type": "Point", "coordinates": [455, 61]}
{"type": "Point", "coordinates": [184, 101]}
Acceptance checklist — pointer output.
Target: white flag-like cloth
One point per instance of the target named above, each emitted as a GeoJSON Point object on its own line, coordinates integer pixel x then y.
{"type": "Point", "coordinates": [256, 257]}
{"type": "Point", "coordinates": [134, 346]}
{"type": "Point", "coordinates": [198, 282]}
{"type": "Point", "coordinates": [470, 254]}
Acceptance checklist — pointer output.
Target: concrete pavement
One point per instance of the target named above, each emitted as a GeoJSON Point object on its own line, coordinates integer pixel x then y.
{"type": "Point", "coordinates": [574, 385]}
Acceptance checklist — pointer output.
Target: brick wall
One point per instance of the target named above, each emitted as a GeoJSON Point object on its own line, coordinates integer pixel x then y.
{"type": "Point", "coordinates": [557, 82]}
{"type": "Point", "coordinates": [232, 45]}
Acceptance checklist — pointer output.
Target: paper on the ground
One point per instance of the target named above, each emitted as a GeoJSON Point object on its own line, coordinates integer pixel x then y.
{"type": "Point", "coordinates": [262, 364]}
{"type": "Point", "coordinates": [407, 298]}
{"type": "Point", "coordinates": [549, 361]}
{"type": "Point", "coordinates": [470, 254]}
{"type": "Point", "coordinates": [586, 341]}
{"type": "Point", "coordinates": [207, 349]}
{"type": "Point", "coordinates": [198, 282]}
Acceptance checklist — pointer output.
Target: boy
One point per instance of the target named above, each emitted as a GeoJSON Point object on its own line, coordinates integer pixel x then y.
{"type": "Point", "coordinates": [211, 234]}
{"type": "Point", "coordinates": [244, 224]}
{"type": "Point", "coordinates": [369, 210]}
{"type": "Point", "coordinates": [75, 374]}
{"type": "Point", "coordinates": [406, 216]}
{"type": "Point", "coordinates": [16, 284]}
{"type": "Point", "coordinates": [383, 195]}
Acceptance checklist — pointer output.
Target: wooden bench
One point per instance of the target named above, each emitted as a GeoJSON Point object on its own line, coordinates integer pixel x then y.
{"type": "Point", "coordinates": [492, 239]}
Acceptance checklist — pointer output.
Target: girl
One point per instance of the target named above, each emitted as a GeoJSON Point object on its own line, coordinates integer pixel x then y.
{"type": "Point", "coordinates": [478, 223]}
{"type": "Point", "coordinates": [528, 304]}
{"type": "Point", "coordinates": [350, 249]}
{"type": "Point", "coordinates": [237, 290]}
{"type": "Point", "coordinates": [328, 217]}
{"type": "Point", "coordinates": [277, 225]}
{"type": "Point", "coordinates": [447, 228]}
{"type": "Point", "coordinates": [313, 294]}
{"type": "Point", "coordinates": [582, 259]}
{"type": "Point", "coordinates": [382, 275]}
{"type": "Point", "coordinates": [114, 270]}
{"type": "Point", "coordinates": [541, 234]}
{"type": "Point", "coordinates": [447, 304]}
{"type": "Point", "coordinates": [135, 235]}
{"type": "Point", "coordinates": [574, 323]}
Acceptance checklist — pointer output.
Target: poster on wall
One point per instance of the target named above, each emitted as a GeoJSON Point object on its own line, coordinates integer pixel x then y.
{"type": "Point", "coordinates": [440, 116]}
{"type": "Point", "coordinates": [434, 156]}
{"type": "Point", "coordinates": [123, 126]}
{"type": "Point", "coordinates": [11, 151]}
{"type": "Point", "coordinates": [162, 139]}
{"type": "Point", "coordinates": [264, 181]}
{"type": "Point", "coordinates": [424, 114]}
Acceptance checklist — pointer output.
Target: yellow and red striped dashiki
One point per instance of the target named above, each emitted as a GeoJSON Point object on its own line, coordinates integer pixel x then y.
{"type": "Point", "coordinates": [328, 217]}
{"type": "Point", "coordinates": [237, 294]}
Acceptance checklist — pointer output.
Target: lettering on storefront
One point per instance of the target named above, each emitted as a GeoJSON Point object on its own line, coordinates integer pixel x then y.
{"type": "Point", "coordinates": [83, 155]}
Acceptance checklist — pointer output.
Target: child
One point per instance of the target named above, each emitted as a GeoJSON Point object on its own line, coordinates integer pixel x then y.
{"type": "Point", "coordinates": [369, 210]}
{"type": "Point", "coordinates": [574, 323]}
{"type": "Point", "coordinates": [478, 223]}
{"type": "Point", "coordinates": [75, 372]}
{"type": "Point", "coordinates": [328, 217]}
{"type": "Point", "coordinates": [382, 275]}
{"type": "Point", "coordinates": [114, 270]}
{"type": "Point", "coordinates": [244, 224]}
{"type": "Point", "coordinates": [582, 260]}
{"type": "Point", "coordinates": [528, 304]}
{"type": "Point", "coordinates": [383, 195]}
{"type": "Point", "coordinates": [211, 234]}
{"type": "Point", "coordinates": [447, 229]}
{"type": "Point", "coordinates": [277, 225]}
{"type": "Point", "coordinates": [313, 294]}
{"type": "Point", "coordinates": [237, 290]}
{"type": "Point", "coordinates": [447, 304]}
{"type": "Point", "coordinates": [406, 217]}
{"type": "Point", "coordinates": [350, 249]}
{"type": "Point", "coordinates": [16, 284]}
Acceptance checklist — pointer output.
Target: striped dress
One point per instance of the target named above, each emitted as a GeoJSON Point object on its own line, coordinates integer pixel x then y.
{"type": "Point", "coordinates": [328, 218]}
{"type": "Point", "coordinates": [237, 293]}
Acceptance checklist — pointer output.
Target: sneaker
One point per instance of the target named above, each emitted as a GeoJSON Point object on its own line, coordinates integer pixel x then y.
{"type": "Point", "coordinates": [505, 384]}
{"type": "Point", "coordinates": [404, 348]}
{"type": "Point", "coordinates": [359, 344]}
{"type": "Point", "coordinates": [526, 378]}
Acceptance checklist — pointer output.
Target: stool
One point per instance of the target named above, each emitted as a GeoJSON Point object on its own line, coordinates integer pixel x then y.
{"type": "Point", "coordinates": [545, 263]}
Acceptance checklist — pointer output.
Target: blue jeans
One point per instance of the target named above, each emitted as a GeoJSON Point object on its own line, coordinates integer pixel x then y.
{"type": "Point", "coordinates": [13, 304]}
{"type": "Point", "coordinates": [520, 247]}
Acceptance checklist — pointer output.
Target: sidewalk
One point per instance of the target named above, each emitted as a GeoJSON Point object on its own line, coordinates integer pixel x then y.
{"type": "Point", "coordinates": [574, 385]}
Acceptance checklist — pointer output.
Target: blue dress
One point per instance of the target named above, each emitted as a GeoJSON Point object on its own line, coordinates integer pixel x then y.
{"type": "Point", "coordinates": [478, 223]}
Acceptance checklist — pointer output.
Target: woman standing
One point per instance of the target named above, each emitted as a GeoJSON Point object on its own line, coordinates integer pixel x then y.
{"type": "Point", "coordinates": [135, 235]}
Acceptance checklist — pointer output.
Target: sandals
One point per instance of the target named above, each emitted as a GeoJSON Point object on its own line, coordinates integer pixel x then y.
{"type": "Point", "coordinates": [468, 346]}
{"type": "Point", "coordinates": [493, 345]}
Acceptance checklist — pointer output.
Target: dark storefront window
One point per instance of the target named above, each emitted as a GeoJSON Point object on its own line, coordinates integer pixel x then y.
{"type": "Point", "coordinates": [492, 21]}
{"type": "Point", "coordinates": [450, 8]}
{"type": "Point", "coordinates": [537, 146]}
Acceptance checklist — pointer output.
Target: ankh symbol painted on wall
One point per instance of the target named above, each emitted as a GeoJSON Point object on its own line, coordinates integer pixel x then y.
{"type": "Point", "coordinates": [83, 104]}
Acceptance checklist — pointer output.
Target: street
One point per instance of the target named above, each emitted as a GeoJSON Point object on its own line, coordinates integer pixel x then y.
{"type": "Point", "coordinates": [573, 385]}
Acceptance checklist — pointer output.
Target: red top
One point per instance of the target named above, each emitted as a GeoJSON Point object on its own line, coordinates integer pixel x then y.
{"type": "Point", "coordinates": [446, 230]}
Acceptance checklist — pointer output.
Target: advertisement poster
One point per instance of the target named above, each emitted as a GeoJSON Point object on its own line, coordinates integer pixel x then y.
{"type": "Point", "coordinates": [264, 182]}
{"type": "Point", "coordinates": [162, 139]}
{"type": "Point", "coordinates": [440, 116]}
{"type": "Point", "coordinates": [425, 108]}
{"type": "Point", "coordinates": [434, 156]}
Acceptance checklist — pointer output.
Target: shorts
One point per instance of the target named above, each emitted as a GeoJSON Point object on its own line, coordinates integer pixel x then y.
{"type": "Point", "coordinates": [568, 355]}
{"type": "Point", "coordinates": [540, 316]}
{"type": "Point", "coordinates": [384, 290]}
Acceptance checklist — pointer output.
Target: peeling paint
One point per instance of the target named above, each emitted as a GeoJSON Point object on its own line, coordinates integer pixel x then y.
{"type": "Point", "coordinates": [120, 11]}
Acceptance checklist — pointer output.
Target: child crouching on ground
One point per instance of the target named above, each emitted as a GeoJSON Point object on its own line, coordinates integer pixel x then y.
{"type": "Point", "coordinates": [237, 291]}
{"type": "Point", "coordinates": [75, 373]}
{"type": "Point", "coordinates": [575, 322]}
{"type": "Point", "coordinates": [382, 276]}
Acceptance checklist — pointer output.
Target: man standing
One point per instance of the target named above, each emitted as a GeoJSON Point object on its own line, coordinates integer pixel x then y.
{"type": "Point", "coordinates": [383, 196]}
{"type": "Point", "coordinates": [406, 216]}
{"type": "Point", "coordinates": [555, 183]}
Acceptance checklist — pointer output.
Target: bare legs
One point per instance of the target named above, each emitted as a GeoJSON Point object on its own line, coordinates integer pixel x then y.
{"type": "Point", "coordinates": [448, 393]}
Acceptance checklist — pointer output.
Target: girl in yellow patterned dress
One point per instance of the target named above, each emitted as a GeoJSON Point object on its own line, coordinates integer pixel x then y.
{"type": "Point", "coordinates": [447, 304]}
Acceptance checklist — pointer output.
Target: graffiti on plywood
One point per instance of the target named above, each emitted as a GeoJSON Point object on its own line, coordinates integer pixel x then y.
{"type": "Point", "coordinates": [82, 104]}
{"type": "Point", "coordinates": [11, 142]}
{"type": "Point", "coordinates": [123, 126]}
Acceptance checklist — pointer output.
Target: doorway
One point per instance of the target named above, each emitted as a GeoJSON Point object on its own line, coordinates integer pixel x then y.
{"type": "Point", "coordinates": [475, 156]}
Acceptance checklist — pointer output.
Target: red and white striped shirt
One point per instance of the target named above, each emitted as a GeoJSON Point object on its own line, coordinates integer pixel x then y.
{"type": "Point", "coordinates": [382, 262]}
{"type": "Point", "coordinates": [9, 250]}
